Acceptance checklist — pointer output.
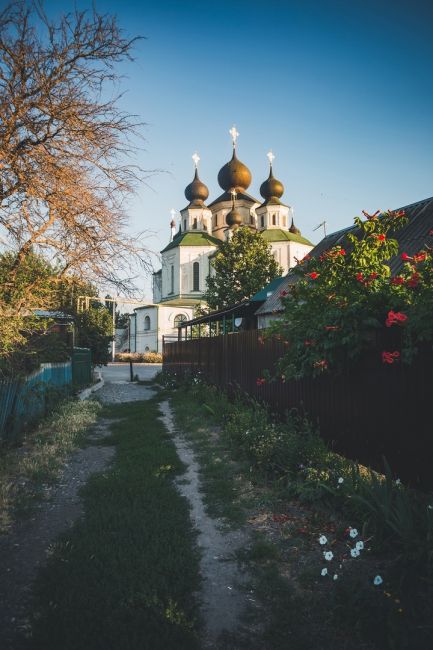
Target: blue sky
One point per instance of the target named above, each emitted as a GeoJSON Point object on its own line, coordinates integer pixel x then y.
{"type": "Point", "coordinates": [342, 92]}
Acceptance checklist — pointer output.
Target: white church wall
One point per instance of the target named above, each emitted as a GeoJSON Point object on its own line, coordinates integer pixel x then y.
{"type": "Point", "coordinates": [297, 252]}
{"type": "Point", "coordinates": [188, 256]}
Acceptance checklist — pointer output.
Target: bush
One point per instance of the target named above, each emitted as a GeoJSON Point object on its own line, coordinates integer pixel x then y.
{"type": "Point", "coordinates": [139, 357]}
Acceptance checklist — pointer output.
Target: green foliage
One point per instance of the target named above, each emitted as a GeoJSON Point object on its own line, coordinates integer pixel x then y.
{"type": "Point", "coordinates": [242, 266]}
{"type": "Point", "coordinates": [95, 331]}
{"type": "Point", "coordinates": [345, 298]}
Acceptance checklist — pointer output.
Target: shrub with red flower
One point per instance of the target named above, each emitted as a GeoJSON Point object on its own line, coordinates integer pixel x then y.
{"type": "Point", "coordinates": [353, 296]}
{"type": "Point", "coordinates": [260, 381]}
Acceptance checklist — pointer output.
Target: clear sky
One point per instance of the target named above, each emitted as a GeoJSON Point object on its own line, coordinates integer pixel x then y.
{"type": "Point", "coordinates": [342, 92]}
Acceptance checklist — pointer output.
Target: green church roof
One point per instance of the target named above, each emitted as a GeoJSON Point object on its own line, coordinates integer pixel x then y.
{"type": "Point", "coordinates": [192, 239]}
{"type": "Point", "coordinates": [276, 234]}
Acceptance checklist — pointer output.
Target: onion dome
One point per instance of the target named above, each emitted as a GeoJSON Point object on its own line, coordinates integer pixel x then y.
{"type": "Point", "coordinates": [293, 229]}
{"type": "Point", "coordinates": [233, 218]}
{"type": "Point", "coordinates": [234, 175]}
{"type": "Point", "coordinates": [196, 192]}
{"type": "Point", "coordinates": [271, 188]}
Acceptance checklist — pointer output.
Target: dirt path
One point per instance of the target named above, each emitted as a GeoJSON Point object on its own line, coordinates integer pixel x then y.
{"type": "Point", "coordinates": [223, 598]}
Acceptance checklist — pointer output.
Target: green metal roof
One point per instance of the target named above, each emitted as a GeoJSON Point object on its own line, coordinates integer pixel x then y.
{"type": "Point", "coordinates": [192, 239]}
{"type": "Point", "coordinates": [276, 234]}
{"type": "Point", "coordinates": [262, 295]}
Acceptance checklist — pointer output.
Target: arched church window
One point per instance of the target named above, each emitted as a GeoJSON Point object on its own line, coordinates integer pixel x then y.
{"type": "Point", "coordinates": [147, 323]}
{"type": "Point", "coordinates": [274, 220]}
{"type": "Point", "coordinates": [284, 221]}
{"type": "Point", "coordinates": [194, 224]}
{"type": "Point", "coordinates": [196, 276]}
{"type": "Point", "coordinates": [184, 224]}
{"type": "Point", "coordinates": [172, 279]}
{"type": "Point", "coordinates": [179, 319]}
{"type": "Point", "coordinates": [262, 221]}
{"type": "Point", "coordinates": [251, 218]}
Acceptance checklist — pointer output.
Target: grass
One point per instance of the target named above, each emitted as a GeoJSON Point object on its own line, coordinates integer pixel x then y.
{"type": "Point", "coordinates": [218, 470]}
{"type": "Point", "coordinates": [27, 469]}
{"type": "Point", "coordinates": [126, 575]}
{"type": "Point", "coordinates": [286, 485]}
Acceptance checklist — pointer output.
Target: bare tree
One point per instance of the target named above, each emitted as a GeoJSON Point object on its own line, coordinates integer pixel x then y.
{"type": "Point", "coordinates": [65, 145]}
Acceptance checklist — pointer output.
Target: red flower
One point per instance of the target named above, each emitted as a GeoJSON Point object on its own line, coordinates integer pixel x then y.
{"type": "Point", "coordinates": [313, 275]}
{"type": "Point", "coordinates": [342, 251]}
{"type": "Point", "coordinates": [371, 216]}
{"type": "Point", "coordinates": [431, 233]}
{"type": "Point", "coordinates": [395, 317]}
{"type": "Point", "coordinates": [323, 364]}
{"type": "Point", "coordinates": [283, 293]}
{"type": "Point", "coordinates": [399, 213]}
{"type": "Point", "coordinates": [373, 276]}
{"type": "Point", "coordinates": [380, 237]}
{"type": "Point", "coordinates": [405, 257]}
{"type": "Point", "coordinates": [331, 328]}
{"type": "Point", "coordinates": [390, 357]}
{"type": "Point", "coordinates": [413, 280]}
{"type": "Point", "coordinates": [419, 257]}
{"type": "Point", "coordinates": [360, 277]}
{"type": "Point", "coordinates": [260, 381]}
{"type": "Point", "coordinates": [397, 280]}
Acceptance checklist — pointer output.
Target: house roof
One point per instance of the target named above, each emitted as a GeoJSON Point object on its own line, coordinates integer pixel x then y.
{"type": "Point", "coordinates": [411, 238]}
{"type": "Point", "coordinates": [276, 234]}
{"type": "Point", "coordinates": [57, 315]}
{"type": "Point", "coordinates": [240, 196]}
{"type": "Point", "coordinates": [262, 295]}
{"type": "Point", "coordinates": [192, 239]}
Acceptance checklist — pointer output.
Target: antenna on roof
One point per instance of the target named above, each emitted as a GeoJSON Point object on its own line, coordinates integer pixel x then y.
{"type": "Point", "coordinates": [319, 226]}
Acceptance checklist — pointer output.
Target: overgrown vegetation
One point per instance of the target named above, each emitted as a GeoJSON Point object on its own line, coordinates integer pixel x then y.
{"type": "Point", "coordinates": [382, 595]}
{"type": "Point", "coordinates": [346, 301]}
{"type": "Point", "coordinates": [25, 470]}
{"type": "Point", "coordinates": [125, 576]}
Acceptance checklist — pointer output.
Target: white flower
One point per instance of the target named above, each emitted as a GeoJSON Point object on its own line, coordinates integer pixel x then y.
{"type": "Point", "coordinates": [335, 576]}
{"type": "Point", "coordinates": [430, 507]}
{"type": "Point", "coordinates": [341, 480]}
{"type": "Point", "coordinates": [354, 552]}
{"type": "Point", "coordinates": [377, 581]}
{"type": "Point", "coordinates": [323, 540]}
{"type": "Point", "coordinates": [353, 532]}
{"type": "Point", "coordinates": [398, 482]}
{"type": "Point", "coordinates": [359, 545]}
{"type": "Point", "coordinates": [328, 555]}
{"type": "Point", "coordinates": [324, 572]}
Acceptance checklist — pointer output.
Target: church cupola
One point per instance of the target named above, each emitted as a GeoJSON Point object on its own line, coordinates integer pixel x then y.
{"type": "Point", "coordinates": [271, 189]}
{"type": "Point", "coordinates": [234, 175]}
{"type": "Point", "coordinates": [196, 192]}
{"type": "Point", "coordinates": [234, 217]}
{"type": "Point", "coordinates": [272, 213]}
{"type": "Point", "coordinates": [196, 216]}
{"type": "Point", "coordinates": [293, 229]}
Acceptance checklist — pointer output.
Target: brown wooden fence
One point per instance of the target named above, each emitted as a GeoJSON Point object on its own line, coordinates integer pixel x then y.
{"type": "Point", "coordinates": [378, 410]}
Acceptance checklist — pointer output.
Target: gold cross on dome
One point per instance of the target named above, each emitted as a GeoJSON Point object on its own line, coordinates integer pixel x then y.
{"type": "Point", "coordinates": [235, 134]}
{"type": "Point", "coordinates": [173, 213]}
{"type": "Point", "coordinates": [196, 159]}
{"type": "Point", "coordinates": [271, 157]}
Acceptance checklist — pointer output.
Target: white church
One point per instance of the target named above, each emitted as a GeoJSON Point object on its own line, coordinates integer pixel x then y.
{"type": "Point", "coordinates": [179, 285]}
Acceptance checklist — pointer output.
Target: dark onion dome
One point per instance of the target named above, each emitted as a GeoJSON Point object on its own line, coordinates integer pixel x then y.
{"type": "Point", "coordinates": [234, 175]}
{"type": "Point", "coordinates": [233, 218]}
{"type": "Point", "coordinates": [293, 229]}
{"type": "Point", "coordinates": [196, 192]}
{"type": "Point", "coordinates": [271, 188]}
